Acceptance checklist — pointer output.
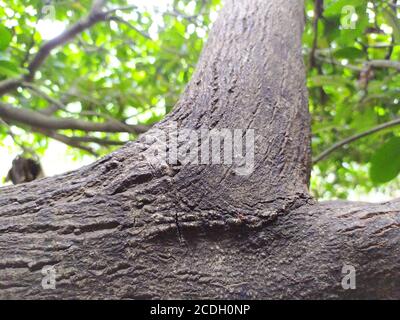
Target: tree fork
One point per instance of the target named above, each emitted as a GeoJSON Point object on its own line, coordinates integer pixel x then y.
{"type": "Point", "coordinates": [125, 227]}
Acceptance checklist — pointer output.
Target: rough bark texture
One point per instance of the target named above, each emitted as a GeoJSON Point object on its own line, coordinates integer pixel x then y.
{"type": "Point", "coordinates": [126, 227]}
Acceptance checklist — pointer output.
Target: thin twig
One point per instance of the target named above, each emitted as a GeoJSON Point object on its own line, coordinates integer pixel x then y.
{"type": "Point", "coordinates": [64, 139]}
{"type": "Point", "coordinates": [318, 11]}
{"type": "Point", "coordinates": [131, 26]}
{"type": "Point", "coordinates": [58, 104]}
{"type": "Point", "coordinates": [351, 139]}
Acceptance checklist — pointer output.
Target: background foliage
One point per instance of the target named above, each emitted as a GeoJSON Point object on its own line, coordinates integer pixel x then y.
{"type": "Point", "coordinates": [134, 66]}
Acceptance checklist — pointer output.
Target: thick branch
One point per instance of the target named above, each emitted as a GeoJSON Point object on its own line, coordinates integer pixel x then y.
{"type": "Point", "coordinates": [131, 26]}
{"type": "Point", "coordinates": [111, 232]}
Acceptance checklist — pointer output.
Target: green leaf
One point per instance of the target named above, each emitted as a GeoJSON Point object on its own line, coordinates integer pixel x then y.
{"type": "Point", "coordinates": [332, 27]}
{"type": "Point", "coordinates": [385, 163]}
{"type": "Point", "coordinates": [8, 69]}
{"type": "Point", "coordinates": [5, 37]}
{"type": "Point", "coordinates": [349, 53]}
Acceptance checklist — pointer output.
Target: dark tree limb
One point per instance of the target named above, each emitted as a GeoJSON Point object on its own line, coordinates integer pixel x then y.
{"type": "Point", "coordinates": [100, 141]}
{"type": "Point", "coordinates": [318, 11]}
{"type": "Point", "coordinates": [37, 119]}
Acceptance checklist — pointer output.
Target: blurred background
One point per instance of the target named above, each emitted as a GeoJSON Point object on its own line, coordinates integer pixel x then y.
{"type": "Point", "coordinates": [127, 71]}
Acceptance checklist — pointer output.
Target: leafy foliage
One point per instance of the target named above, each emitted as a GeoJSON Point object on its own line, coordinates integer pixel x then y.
{"type": "Point", "coordinates": [132, 68]}
{"type": "Point", "coordinates": [348, 95]}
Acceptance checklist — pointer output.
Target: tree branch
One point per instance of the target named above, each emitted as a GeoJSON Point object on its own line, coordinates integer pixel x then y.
{"type": "Point", "coordinates": [56, 105]}
{"type": "Point", "coordinates": [125, 8]}
{"type": "Point", "coordinates": [37, 119]}
{"type": "Point", "coordinates": [95, 15]}
{"type": "Point", "coordinates": [384, 64]}
{"type": "Point", "coordinates": [100, 141]}
{"type": "Point", "coordinates": [351, 139]}
{"type": "Point", "coordinates": [131, 26]}
{"type": "Point", "coordinates": [65, 139]}
{"type": "Point", "coordinates": [318, 10]}
{"type": "Point", "coordinates": [322, 55]}
{"type": "Point", "coordinates": [73, 141]}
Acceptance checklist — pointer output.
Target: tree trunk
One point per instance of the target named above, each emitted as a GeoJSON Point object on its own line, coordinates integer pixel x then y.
{"type": "Point", "coordinates": [134, 226]}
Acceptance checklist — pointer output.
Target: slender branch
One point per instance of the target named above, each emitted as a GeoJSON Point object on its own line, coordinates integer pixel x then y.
{"type": "Point", "coordinates": [382, 45]}
{"type": "Point", "coordinates": [9, 85]}
{"type": "Point", "coordinates": [32, 40]}
{"type": "Point", "coordinates": [100, 141]}
{"type": "Point", "coordinates": [28, 50]}
{"type": "Point", "coordinates": [351, 139]}
{"type": "Point", "coordinates": [60, 104]}
{"type": "Point", "coordinates": [56, 105]}
{"type": "Point", "coordinates": [95, 16]}
{"type": "Point", "coordinates": [125, 8]}
{"type": "Point", "coordinates": [191, 18]}
{"type": "Point", "coordinates": [131, 26]}
{"type": "Point", "coordinates": [73, 141]}
{"type": "Point", "coordinates": [392, 42]}
{"type": "Point", "coordinates": [318, 11]}
{"type": "Point", "coordinates": [394, 6]}
{"type": "Point", "coordinates": [384, 64]}
{"type": "Point", "coordinates": [372, 63]}
{"type": "Point", "coordinates": [37, 119]}
{"type": "Point", "coordinates": [65, 139]}
{"type": "Point", "coordinates": [337, 63]}
{"type": "Point", "coordinates": [321, 54]}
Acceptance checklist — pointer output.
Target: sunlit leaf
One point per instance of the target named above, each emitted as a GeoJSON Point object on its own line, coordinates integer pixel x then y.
{"type": "Point", "coordinates": [8, 69]}
{"type": "Point", "coordinates": [385, 164]}
{"type": "Point", "coordinates": [5, 37]}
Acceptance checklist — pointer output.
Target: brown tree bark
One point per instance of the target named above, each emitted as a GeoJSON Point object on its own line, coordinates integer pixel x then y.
{"type": "Point", "coordinates": [126, 227]}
